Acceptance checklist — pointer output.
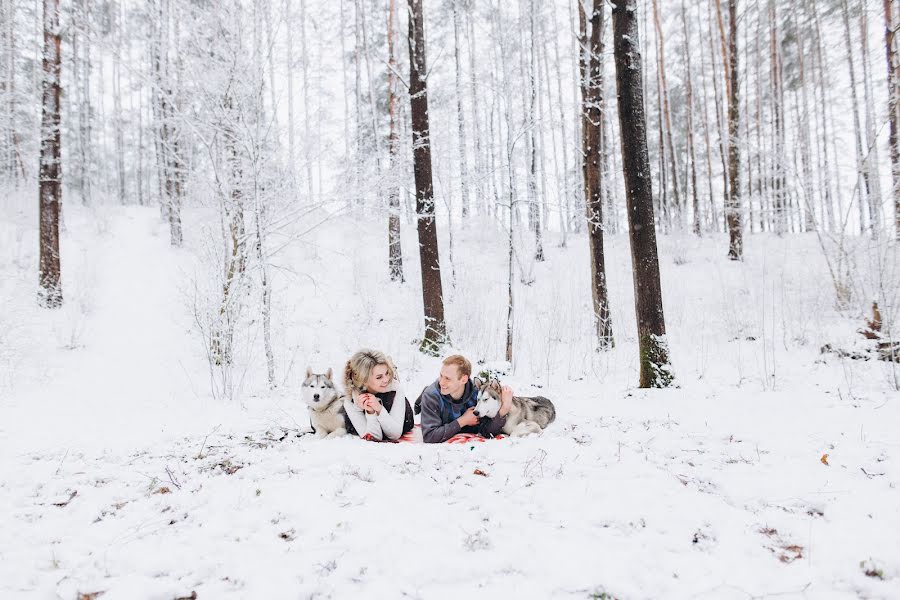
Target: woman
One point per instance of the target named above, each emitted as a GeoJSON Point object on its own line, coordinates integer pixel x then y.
{"type": "Point", "coordinates": [376, 406]}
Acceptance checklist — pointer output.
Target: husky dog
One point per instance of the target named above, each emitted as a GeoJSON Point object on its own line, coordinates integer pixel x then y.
{"type": "Point", "coordinates": [326, 409]}
{"type": "Point", "coordinates": [526, 415]}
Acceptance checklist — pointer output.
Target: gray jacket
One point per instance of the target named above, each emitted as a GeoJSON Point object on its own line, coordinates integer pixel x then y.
{"type": "Point", "coordinates": [440, 414]}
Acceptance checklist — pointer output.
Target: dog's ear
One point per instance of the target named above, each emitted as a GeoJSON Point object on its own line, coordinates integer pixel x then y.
{"type": "Point", "coordinates": [478, 382]}
{"type": "Point", "coordinates": [328, 374]}
{"type": "Point", "coordinates": [495, 385]}
{"type": "Point", "coordinates": [308, 372]}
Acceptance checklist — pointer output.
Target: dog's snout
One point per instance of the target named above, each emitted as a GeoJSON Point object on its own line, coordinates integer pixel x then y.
{"type": "Point", "coordinates": [477, 414]}
{"type": "Point", "coordinates": [316, 397]}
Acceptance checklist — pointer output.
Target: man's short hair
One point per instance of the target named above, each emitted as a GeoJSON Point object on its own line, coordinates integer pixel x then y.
{"type": "Point", "coordinates": [463, 366]}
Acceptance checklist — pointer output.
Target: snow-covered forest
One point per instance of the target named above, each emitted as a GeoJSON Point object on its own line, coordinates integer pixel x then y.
{"type": "Point", "coordinates": [676, 219]}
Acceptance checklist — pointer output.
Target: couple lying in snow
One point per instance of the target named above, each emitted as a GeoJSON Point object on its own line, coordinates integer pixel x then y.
{"type": "Point", "coordinates": [377, 408]}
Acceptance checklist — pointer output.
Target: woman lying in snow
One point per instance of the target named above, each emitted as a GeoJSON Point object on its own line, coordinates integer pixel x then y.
{"type": "Point", "coordinates": [376, 406]}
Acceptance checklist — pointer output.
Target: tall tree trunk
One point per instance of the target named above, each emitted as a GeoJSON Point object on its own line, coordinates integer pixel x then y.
{"type": "Point", "coordinates": [780, 204]}
{"type": "Point", "coordinates": [893, 82]}
{"type": "Point", "coordinates": [592, 109]}
{"type": "Point", "coordinates": [654, 354]}
{"type": "Point", "coordinates": [803, 125]}
{"type": "Point", "coordinates": [221, 343]}
{"type": "Point", "coordinates": [270, 61]}
{"type": "Point", "coordinates": [432, 291]}
{"type": "Point", "coordinates": [713, 216]}
{"type": "Point", "coordinates": [735, 235]}
{"type": "Point", "coordinates": [534, 218]}
{"type": "Point", "coordinates": [50, 190]}
{"type": "Point", "coordinates": [825, 106]}
{"type": "Point", "coordinates": [117, 103]}
{"type": "Point", "coordinates": [566, 186]}
{"type": "Point", "coordinates": [395, 255]}
{"type": "Point", "coordinates": [175, 170]}
{"type": "Point", "coordinates": [761, 164]}
{"type": "Point", "coordinates": [721, 118]}
{"type": "Point", "coordinates": [480, 149]}
{"type": "Point", "coordinates": [862, 175]}
{"type": "Point", "coordinates": [689, 109]}
{"type": "Point", "coordinates": [872, 161]}
{"type": "Point", "coordinates": [667, 114]}
{"type": "Point", "coordinates": [307, 124]}
{"type": "Point", "coordinates": [460, 114]}
{"type": "Point", "coordinates": [292, 146]}
{"type": "Point", "coordinates": [87, 111]}
{"type": "Point", "coordinates": [578, 50]}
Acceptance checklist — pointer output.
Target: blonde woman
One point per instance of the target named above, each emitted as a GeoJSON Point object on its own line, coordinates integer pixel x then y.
{"type": "Point", "coordinates": [376, 406]}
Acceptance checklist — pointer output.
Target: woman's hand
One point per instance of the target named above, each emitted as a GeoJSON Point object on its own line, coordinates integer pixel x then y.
{"type": "Point", "coordinates": [371, 404]}
{"type": "Point", "coordinates": [361, 401]}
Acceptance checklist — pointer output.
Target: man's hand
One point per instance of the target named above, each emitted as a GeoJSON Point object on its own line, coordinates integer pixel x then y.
{"type": "Point", "coordinates": [468, 418]}
{"type": "Point", "coordinates": [506, 396]}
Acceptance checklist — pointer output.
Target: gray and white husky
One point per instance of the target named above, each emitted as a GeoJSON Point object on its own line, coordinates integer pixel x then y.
{"type": "Point", "coordinates": [326, 408]}
{"type": "Point", "coordinates": [526, 415]}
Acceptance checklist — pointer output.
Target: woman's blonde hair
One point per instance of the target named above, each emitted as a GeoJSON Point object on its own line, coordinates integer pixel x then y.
{"type": "Point", "coordinates": [360, 366]}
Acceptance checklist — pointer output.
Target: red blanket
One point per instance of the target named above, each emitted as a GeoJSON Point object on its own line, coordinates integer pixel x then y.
{"type": "Point", "coordinates": [415, 437]}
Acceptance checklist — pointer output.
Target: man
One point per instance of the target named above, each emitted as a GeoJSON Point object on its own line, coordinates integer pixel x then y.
{"type": "Point", "coordinates": [448, 404]}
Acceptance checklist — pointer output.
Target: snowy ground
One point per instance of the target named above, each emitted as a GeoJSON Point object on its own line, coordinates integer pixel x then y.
{"type": "Point", "coordinates": [121, 474]}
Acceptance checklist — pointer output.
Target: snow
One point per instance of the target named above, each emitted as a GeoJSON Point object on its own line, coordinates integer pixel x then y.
{"type": "Point", "coordinates": [122, 474]}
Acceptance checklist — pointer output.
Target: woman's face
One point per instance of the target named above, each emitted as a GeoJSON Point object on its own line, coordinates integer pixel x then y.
{"type": "Point", "coordinates": [378, 380]}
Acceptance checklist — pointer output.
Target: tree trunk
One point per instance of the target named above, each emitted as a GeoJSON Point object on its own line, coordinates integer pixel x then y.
{"type": "Point", "coordinates": [565, 193]}
{"type": "Point", "coordinates": [862, 175]}
{"type": "Point", "coordinates": [893, 82]}
{"type": "Point", "coordinates": [667, 114]}
{"type": "Point", "coordinates": [825, 106]}
{"type": "Point", "coordinates": [689, 109]}
{"type": "Point", "coordinates": [480, 149]}
{"type": "Point", "coordinates": [432, 291]}
{"type": "Point", "coordinates": [292, 146]}
{"type": "Point", "coordinates": [534, 218]}
{"type": "Point", "coordinates": [578, 50]}
{"type": "Point", "coordinates": [872, 161]}
{"type": "Point", "coordinates": [307, 124]}
{"type": "Point", "coordinates": [117, 104]}
{"type": "Point", "coordinates": [395, 255]}
{"type": "Point", "coordinates": [803, 126]}
{"type": "Point", "coordinates": [592, 109]}
{"type": "Point", "coordinates": [87, 112]}
{"type": "Point", "coordinates": [460, 115]}
{"type": "Point", "coordinates": [721, 119]}
{"type": "Point", "coordinates": [735, 235]}
{"type": "Point", "coordinates": [654, 360]}
{"type": "Point", "coordinates": [50, 190]}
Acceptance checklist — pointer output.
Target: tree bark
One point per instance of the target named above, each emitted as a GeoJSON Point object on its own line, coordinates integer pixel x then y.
{"type": "Point", "coordinates": [534, 218]}
{"type": "Point", "coordinates": [592, 109]}
{"type": "Point", "coordinates": [689, 109]}
{"type": "Point", "coordinates": [893, 82]}
{"type": "Point", "coordinates": [667, 113]}
{"type": "Point", "coordinates": [460, 114]}
{"type": "Point", "coordinates": [395, 255]}
{"type": "Point", "coordinates": [825, 107]}
{"type": "Point", "coordinates": [432, 291]}
{"type": "Point", "coordinates": [50, 191]}
{"type": "Point", "coordinates": [118, 125]}
{"type": "Point", "coordinates": [872, 161]}
{"type": "Point", "coordinates": [735, 235]}
{"type": "Point", "coordinates": [862, 175]}
{"type": "Point", "coordinates": [654, 360]}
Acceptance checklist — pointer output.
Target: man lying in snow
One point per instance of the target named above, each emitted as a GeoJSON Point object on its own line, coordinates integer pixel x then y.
{"type": "Point", "coordinates": [448, 404]}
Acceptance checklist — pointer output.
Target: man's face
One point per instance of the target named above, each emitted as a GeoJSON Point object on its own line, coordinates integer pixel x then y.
{"type": "Point", "coordinates": [451, 382]}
